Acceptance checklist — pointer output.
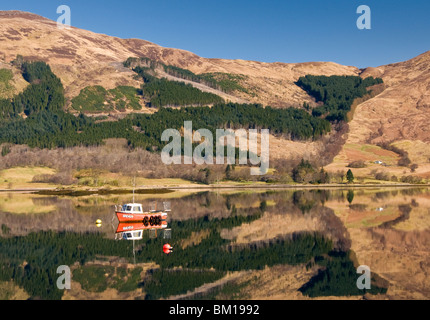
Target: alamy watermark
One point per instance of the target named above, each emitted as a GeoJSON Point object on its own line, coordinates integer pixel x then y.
{"type": "Point", "coordinates": [63, 281]}
{"type": "Point", "coordinates": [365, 20]}
{"type": "Point", "coordinates": [364, 281]}
{"type": "Point", "coordinates": [65, 20]}
{"type": "Point", "coordinates": [225, 141]}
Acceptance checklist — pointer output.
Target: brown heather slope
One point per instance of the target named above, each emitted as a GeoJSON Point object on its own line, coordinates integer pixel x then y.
{"type": "Point", "coordinates": [401, 112]}
{"type": "Point", "coordinates": [399, 115]}
{"type": "Point", "coordinates": [82, 58]}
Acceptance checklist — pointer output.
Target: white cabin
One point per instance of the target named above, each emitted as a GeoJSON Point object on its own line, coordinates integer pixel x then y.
{"type": "Point", "coordinates": [133, 235]}
{"type": "Point", "coordinates": [132, 208]}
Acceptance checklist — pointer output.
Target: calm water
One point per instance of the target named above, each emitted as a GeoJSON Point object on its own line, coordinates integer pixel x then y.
{"type": "Point", "coordinates": [301, 244]}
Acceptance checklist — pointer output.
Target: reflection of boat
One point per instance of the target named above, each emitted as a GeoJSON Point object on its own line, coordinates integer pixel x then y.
{"type": "Point", "coordinates": [126, 227]}
{"type": "Point", "coordinates": [134, 230]}
{"type": "Point", "coordinates": [133, 212]}
{"type": "Point", "coordinates": [130, 235]}
{"type": "Point", "coordinates": [130, 232]}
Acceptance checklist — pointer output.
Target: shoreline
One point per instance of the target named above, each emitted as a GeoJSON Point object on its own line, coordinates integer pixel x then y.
{"type": "Point", "coordinates": [168, 189]}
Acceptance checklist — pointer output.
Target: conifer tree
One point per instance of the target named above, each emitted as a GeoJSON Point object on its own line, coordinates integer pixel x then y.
{"type": "Point", "coordinates": [350, 176]}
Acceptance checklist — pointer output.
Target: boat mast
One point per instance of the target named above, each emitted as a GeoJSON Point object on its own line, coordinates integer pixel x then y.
{"type": "Point", "coordinates": [134, 253]}
{"type": "Point", "coordinates": [134, 186]}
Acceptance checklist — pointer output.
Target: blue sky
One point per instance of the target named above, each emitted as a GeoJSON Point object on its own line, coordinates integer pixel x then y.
{"type": "Point", "coordinates": [268, 31]}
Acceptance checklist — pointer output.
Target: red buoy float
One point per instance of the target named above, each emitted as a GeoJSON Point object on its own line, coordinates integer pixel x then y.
{"type": "Point", "coordinates": [167, 248]}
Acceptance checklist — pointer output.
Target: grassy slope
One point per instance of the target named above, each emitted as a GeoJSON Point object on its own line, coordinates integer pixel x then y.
{"type": "Point", "coordinates": [20, 178]}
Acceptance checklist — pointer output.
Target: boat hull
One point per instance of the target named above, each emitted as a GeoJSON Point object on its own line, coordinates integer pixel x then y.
{"type": "Point", "coordinates": [140, 217]}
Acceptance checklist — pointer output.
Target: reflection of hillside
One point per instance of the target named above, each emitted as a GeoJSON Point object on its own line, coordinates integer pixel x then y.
{"type": "Point", "coordinates": [58, 215]}
{"type": "Point", "coordinates": [401, 257]}
{"type": "Point", "coordinates": [390, 233]}
{"type": "Point", "coordinates": [393, 241]}
{"type": "Point", "coordinates": [283, 221]}
{"type": "Point", "coordinates": [23, 204]}
{"type": "Point", "coordinates": [375, 208]}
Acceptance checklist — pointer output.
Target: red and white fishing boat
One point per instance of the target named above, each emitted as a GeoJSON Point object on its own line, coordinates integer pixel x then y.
{"type": "Point", "coordinates": [133, 212]}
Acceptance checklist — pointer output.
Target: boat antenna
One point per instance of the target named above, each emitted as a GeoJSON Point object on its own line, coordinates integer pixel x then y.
{"type": "Point", "coordinates": [134, 186]}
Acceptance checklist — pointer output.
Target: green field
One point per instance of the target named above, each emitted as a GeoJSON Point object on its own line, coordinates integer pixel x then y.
{"type": "Point", "coordinates": [98, 99]}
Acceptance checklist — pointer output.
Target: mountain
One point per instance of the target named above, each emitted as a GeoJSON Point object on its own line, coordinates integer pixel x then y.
{"type": "Point", "coordinates": [82, 58]}
{"type": "Point", "coordinates": [400, 114]}
{"type": "Point", "coordinates": [397, 116]}
{"type": "Point", "coordinates": [402, 110]}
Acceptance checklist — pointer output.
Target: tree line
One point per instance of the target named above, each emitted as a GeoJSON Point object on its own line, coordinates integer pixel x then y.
{"type": "Point", "coordinates": [56, 128]}
{"type": "Point", "coordinates": [45, 92]}
{"type": "Point", "coordinates": [337, 93]}
{"type": "Point", "coordinates": [162, 92]}
{"type": "Point", "coordinates": [225, 82]}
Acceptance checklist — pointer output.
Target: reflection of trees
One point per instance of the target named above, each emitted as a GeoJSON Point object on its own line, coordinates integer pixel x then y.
{"type": "Point", "coordinates": [44, 251]}
{"type": "Point", "coordinates": [383, 195]}
{"type": "Point", "coordinates": [293, 204]}
{"type": "Point", "coordinates": [350, 196]}
{"type": "Point", "coordinates": [413, 191]}
{"type": "Point", "coordinates": [305, 200]}
{"type": "Point", "coordinates": [405, 210]}
{"type": "Point", "coordinates": [337, 276]}
{"type": "Point", "coordinates": [358, 207]}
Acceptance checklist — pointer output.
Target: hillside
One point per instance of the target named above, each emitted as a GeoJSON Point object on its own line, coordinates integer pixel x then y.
{"type": "Point", "coordinates": [83, 58]}
{"type": "Point", "coordinates": [399, 116]}
{"type": "Point", "coordinates": [388, 126]}
{"type": "Point", "coordinates": [402, 111]}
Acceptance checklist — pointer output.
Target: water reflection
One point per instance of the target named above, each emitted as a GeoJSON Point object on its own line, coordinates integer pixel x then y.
{"type": "Point", "coordinates": [234, 241]}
